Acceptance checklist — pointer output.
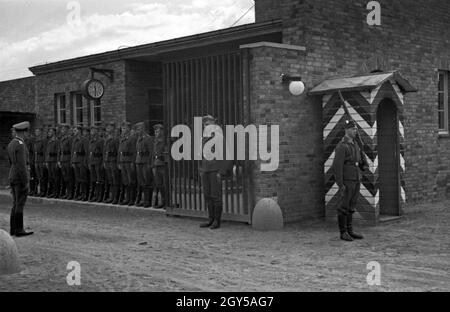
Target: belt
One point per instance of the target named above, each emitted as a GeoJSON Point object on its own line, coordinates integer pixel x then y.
{"type": "Point", "coordinates": [52, 154]}
{"type": "Point", "coordinates": [80, 153]}
{"type": "Point", "coordinates": [143, 153]}
{"type": "Point", "coordinates": [111, 153]}
{"type": "Point", "coordinates": [40, 154]}
{"type": "Point", "coordinates": [126, 154]}
{"type": "Point", "coordinates": [356, 164]}
{"type": "Point", "coordinates": [97, 154]}
{"type": "Point", "coordinates": [66, 153]}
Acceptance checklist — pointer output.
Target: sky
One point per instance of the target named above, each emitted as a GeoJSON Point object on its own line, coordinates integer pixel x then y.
{"type": "Point", "coordinates": [34, 32]}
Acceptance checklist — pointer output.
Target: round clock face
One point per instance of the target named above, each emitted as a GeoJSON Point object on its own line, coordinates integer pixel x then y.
{"type": "Point", "coordinates": [95, 88]}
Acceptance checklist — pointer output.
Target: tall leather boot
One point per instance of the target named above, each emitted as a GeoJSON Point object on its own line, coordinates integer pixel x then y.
{"type": "Point", "coordinates": [92, 191]}
{"type": "Point", "coordinates": [126, 195]}
{"type": "Point", "coordinates": [343, 228]}
{"type": "Point", "coordinates": [78, 193]}
{"type": "Point", "coordinates": [350, 228]}
{"type": "Point", "coordinates": [84, 191]}
{"type": "Point", "coordinates": [210, 216]}
{"type": "Point", "coordinates": [106, 193]}
{"type": "Point", "coordinates": [162, 205]}
{"type": "Point", "coordinates": [155, 196]}
{"type": "Point", "coordinates": [50, 191]}
{"type": "Point", "coordinates": [31, 190]}
{"type": "Point", "coordinates": [217, 216]}
{"type": "Point", "coordinates": [138, 202]}
{"type": "Point", "coordinates": [63, 192]}
{"type": "Point", "coordinates": [101, 192]}
{"type": "Point", "coordinates": [148, 193]}
{"type": "Point", "coordinates": [111, 198]}
{"type": "Point", "coordinates": [115, 194]}
{"type": "Point", "coordinates": [12, 224]}
{"type": "Point", "coordinates": [132, 195]}
{"type": "Point", "coordinates": [19, 226]}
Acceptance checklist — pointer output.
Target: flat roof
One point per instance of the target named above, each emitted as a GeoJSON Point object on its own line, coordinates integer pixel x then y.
{"type": "Point", "coordinates": [177, 44]}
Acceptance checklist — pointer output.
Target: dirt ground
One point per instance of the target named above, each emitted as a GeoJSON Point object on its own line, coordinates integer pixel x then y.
{"type": "Point", "coordinates": [135, 250]}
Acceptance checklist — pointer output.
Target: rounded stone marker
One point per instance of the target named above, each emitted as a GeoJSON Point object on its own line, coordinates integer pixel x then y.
{"type": "Point", "coordinates": [9, 256]}
{"type": "Point", "coordinates": [267, 215]}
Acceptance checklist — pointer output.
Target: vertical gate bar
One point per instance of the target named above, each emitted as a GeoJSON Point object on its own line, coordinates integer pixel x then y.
{"type": "Point", "coordinates": [197, 113]}
{"type": "Point", "coordinates": [172, 122]}
{"type": "Point", "coordinates": [178, 107]}
{"type": "Point", "coordinates": [182, 121]}
{"type": "Point", "coordinates": [202, 103]}
{"type": "Point", "coordinates": [237, 194]}
{"type": "Point", "coordinates": [165, 117]}
{"type": "Point", "coordinates": [229, 184]}
{"type": "Point", "coordinates": [191, 122]}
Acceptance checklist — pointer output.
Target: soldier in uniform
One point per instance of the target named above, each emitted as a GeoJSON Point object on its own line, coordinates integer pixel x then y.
{"type": "Point", "coordinates": [64, 156]}
{"type": "Point", "coordinates": [348, 162]}
{"type": "Point", "coordinates": [51, 156]}
{"type": "Point", "coordinates": [58, 175]}
{"type": "Point", "coordinates": [39, 158]}
{"type": "Point", "coordinates": [127, 156]}
{"type": "Point", "coordinates": [212, 172]}
{"type": "Point", "coordinates": [95, 165]}
{"type": "Point", "coordinates": [144, 152]}
{"type": "Point", "coordinates": [111, 148]}
{"type": "Point", "coordinates": [79, 163]}
{"type": "Point", "coordinates": [29, 141]}
{"type": "Point", "coordinates": [18, 178]}
{"type": "Point", "coordinates": [159, 165]}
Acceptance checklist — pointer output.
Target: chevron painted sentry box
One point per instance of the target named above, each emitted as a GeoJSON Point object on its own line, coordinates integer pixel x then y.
{"type": "Point", "coordinates": [363, 95]}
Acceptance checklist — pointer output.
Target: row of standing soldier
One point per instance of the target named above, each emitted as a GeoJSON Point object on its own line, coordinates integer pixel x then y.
{"type": "Point", "coordinates": [114, 165]}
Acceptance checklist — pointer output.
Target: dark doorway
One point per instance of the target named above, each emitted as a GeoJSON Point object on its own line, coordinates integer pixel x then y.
{"type": "Point", "coordinates": [388, 158]}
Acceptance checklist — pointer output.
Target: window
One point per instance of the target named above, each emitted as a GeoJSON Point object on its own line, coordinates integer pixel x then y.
{"type": "Point", "coordinates": [61, 109]}
{"type": "Point", "coordinates": [443, 101]}
{"type": "Point", "coordinates": [95, 107]}
{"type": "Point", "coordinates": [78, 109]}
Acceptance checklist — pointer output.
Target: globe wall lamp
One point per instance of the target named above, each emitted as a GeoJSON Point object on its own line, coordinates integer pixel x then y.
{"type": "Point", "coordinates": [296, 85]}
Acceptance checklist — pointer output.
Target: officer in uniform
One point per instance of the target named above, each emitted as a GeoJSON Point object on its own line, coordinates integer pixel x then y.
{"type": "Point", "coordinates": [144, 151]}
{"type": "Point", "coordinates": [64, 155]}
{"type": "Point", "coordinates": [111, 148]}
{"type": "Point", "coordinates": [18, 178]}
{"type": "Point", "coordinates": [95, 165]}
{"type": "Point", "coordinates": [212, 172]}
{"type": "Point", "coordinates": [79, 163]}
{"type": "Point", "coordinates": [127, 156]}
{"type": "Point", "coordinates": [348, 162]}
{"type": "Point", "coordinates": [51, 157]}
{"type": "Point", "coordinates": [29, 141]}
{"type": "Point", "coordinates": [39, 158]}
{"type": "Point", "coordinates": [159, 165]}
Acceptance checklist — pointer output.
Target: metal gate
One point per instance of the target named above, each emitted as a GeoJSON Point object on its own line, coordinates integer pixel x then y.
{"type": "Point", "coordinates": [194, 88]}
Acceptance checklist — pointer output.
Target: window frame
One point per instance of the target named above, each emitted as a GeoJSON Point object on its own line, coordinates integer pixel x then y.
{"type": "Point", "coordinates": [93, 104]}
{"type": "Point", "coordinates": [59, 110]}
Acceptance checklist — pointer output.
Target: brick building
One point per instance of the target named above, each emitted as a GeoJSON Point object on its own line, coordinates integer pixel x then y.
{"type": "Point", "coordinates": [402, 65]}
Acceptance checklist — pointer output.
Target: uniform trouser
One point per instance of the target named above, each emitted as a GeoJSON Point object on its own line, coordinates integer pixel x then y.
{"type": "Point", "coordinates": [67, 175]}
{"type": "Point", "coordinates": [52, 177]}
{"type": "Point", "coordinates": [349, 199]}
{"type": "Point", "coordinates": [144, 175]}
{"type": "Point", "coordinates": [96, 173]}
{"type": "Point", "coordinates": [19, 194]}
{"type": "Point", "coordinates": [212, 191]}
{"type": "Point", "coordinates": [42, 176]}
{"type": "Point", "coordinates": [81, 173]}
{"type": "Point", "coordinates": [33, 178]}
{"type": "Point", "coordinates": [128, 173]}
{"type": "Point", "coordinates": [160, 176]}
{"type": "Point", "coordinates": [112, 174]}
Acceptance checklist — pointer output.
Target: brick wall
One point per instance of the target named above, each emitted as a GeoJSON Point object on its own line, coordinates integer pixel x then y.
{"type": "Point", "coordinates": [67, 81]}
{"type": "Point", "coordinates": [339, 42]}
{"type": "Point", "coordinates": [141, 77]}
{"type": "Point", "coordinates": [298, 182]}
{"type": "Point", "coordinates": [17, 95]}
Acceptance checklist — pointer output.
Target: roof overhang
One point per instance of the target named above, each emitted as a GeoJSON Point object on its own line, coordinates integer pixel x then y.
{"type": "Point", "coordinates": [361, 83]}
{"type": "Point", "coordinates": [167, 46]}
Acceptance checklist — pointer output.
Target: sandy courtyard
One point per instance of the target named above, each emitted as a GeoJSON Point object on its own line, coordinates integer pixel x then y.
{"type": "Point", "coordinates": [138, 250]}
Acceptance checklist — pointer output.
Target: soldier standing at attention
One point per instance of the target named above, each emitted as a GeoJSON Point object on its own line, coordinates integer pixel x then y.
{"type": "Point", "coordinates": [79, 163]}
{"type": "Point", "coordinates": [212, 172]}
{"type": "Point", "coordinates": [64, 155]}
{"type": "Point", "coordinates": [18, 178]}
{"type": "Point", "coordinates": [127, 156]}
{"type": "Point", "coordinates": [144, 151]}
{"type": "Point", "coordinates": [95, 165]}
{"type": "Point", "coordinates": [159, 164]}
{"type": "Point", "coordinates": [346, 167]}
{"type": "Point", "coordinates": [51, 156]}
{"type": "Point", "coordinates": [39, 159]}
{"type": "Point", "coordinates": [58, 176]}
{"type": "Point", "coordinates": [110, 162]}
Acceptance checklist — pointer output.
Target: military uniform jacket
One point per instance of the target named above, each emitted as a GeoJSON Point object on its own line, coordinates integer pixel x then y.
{"type": "Point", "coordinates": [144, 149]}
{"type": "Point", "coordinates": [30, 146]}
{"type": "Point", "coordinates": [51, 150]}
{"type": "Point", "coordinates": [347, 161]}
{"type": "Point", "coordinates": [65, 149]}
{"type": "Point", "coordinates": [79, 150]}
{"type": "Point", "coordinates": [39, 150]}
{"type": "Point", "coordinates": [159, 157]}
{"type": "Point", "coordinates": [222, 166]}
{"type": "Point", "coordinates": [127, 149]}
{"type": "Point", "coordinates": [96, 151]}
{"type": "Point", "coordinates": [111, 149]}
{"type": "Point", "coordinates": [18, 160]}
